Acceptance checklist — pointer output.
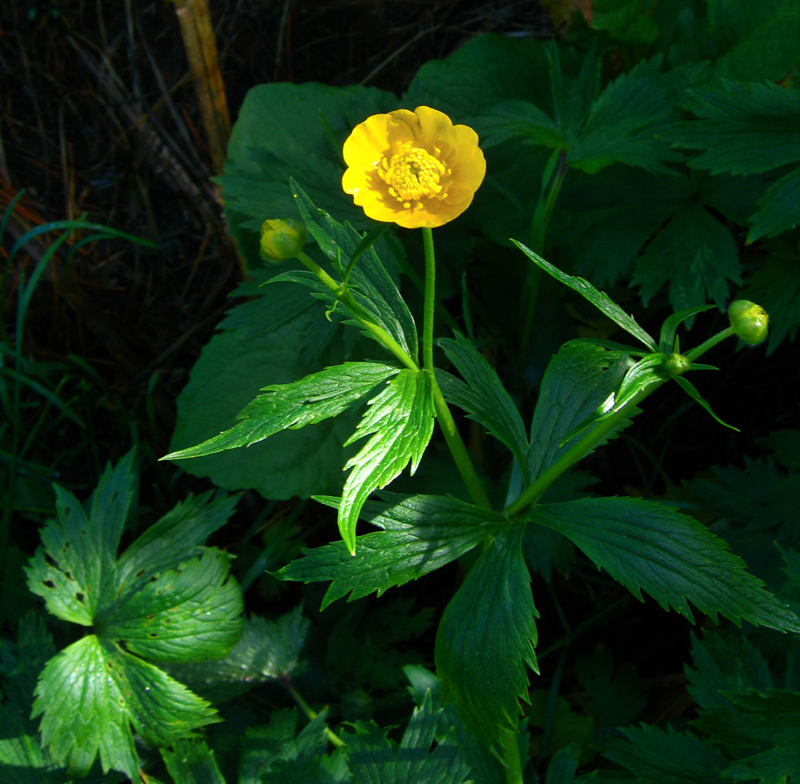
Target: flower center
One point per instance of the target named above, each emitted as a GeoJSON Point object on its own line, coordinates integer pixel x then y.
{"type": "Point", "coordinates": [414, 174]}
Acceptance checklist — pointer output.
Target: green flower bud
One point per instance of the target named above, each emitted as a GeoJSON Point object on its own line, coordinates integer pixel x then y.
{"type": "Point", "coordinates": [749, 321]}
{"type": "Point", "coordinates": [676, 365]}
{"type": "Point", "coordinates": [282, 239]}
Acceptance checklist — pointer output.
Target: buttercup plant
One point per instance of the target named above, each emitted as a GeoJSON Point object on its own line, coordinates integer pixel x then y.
{"type": "Point", "coordinates": [418, 170]}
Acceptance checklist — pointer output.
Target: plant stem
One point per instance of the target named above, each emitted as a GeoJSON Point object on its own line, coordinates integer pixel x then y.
{"type": "Point", "coordinates": [363, 316]}
{"type": "Point", "coordinates": [696, 353]}
{"type": "Point", "coordinates": [443, 415]}
{"type": "Point", "coordinates": [580, 449]}
{"type": "Point", "coordinates": [509, 745]}
{"type": "Point", "coordinates": [312, 714]}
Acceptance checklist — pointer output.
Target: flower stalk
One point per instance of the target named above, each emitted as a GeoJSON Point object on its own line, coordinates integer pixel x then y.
{"type": "Point", "coordinates": [451, 435]}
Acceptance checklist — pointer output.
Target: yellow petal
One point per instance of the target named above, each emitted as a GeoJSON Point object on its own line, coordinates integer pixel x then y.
{"type": "Point", "coordinates": [391, 175]}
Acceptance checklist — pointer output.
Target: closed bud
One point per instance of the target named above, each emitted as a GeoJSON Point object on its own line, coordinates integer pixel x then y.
{"type": "Point", "coordinates": [282, 239]}
{"type": "Point", "coordinates": [677, 365]}
{"type": "Point", "coordinates": [749, 321]}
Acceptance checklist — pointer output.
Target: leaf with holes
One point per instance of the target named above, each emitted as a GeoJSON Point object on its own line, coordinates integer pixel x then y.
{"type": "Point", "coordinates": [167, 598]}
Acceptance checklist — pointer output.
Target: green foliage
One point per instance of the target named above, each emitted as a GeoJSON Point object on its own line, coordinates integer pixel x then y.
{"type": "Point", "coordinates": [487, 637]}
{"type": "Point", "coordinates": [659, 156]}
{"type": "Point", "coordinates": [167, 599]}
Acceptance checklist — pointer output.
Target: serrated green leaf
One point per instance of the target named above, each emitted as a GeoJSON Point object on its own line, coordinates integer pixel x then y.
{"type": "Point", "coordinates": [753, 39]}
{"type": "Point", "coordinates": [605, 219]}
{"type": "Point", "coordinates": [86, 715]}
{"type": "Point", "coordinates": [399, 422]}
{"type": "Point", "coordinates": [73, 569]}
{"type": "Point", "coordinates": [373, 758]}
{"type": "Point", "coordinates": [177, 605]}
{"type": "Point", "coordinates": [572, 90]}
{"type": "Point", "coordinates": [625, 121]}
{"type": "Point", "coordinates": [421, 534]}
{"type": "Point", "coordinates": [279, 336]}
{"type": "Point", "coordinates": [599, 299]}
{"type": "Point", "coordinates": [758, 496]}
{"type": "Point", "coordinates": [292, 406]}
{"type": "Point", "coordinates": [778, 209]}
{"type": "Point", "coordinates": [564, 765]}
{"type": "Point", "coordinates": [755, 720]}
{"type": "Point", "coordinates": [725, 666]}
{"type": "Point", "coordinates": [486, 639]}
{"type": "Point", "coordinates": [651, 547]}
{"type": "Point", "coordinates": [577, 381]}
{"type": "Point", "coordinates": [370, 283]}
{"type": "Point", "coordinates": [192, 762]}
{"type": "Point", "coordinates": [657, 756]}
{"type": "Point", "coordinates": [267, 651]}
{"type": "Point", "coordinates": [21, 662]}
{"type": "Point", "coordinates": [176, 537]}
{"type": "Point", "coordinates": [273, 755]}
{"type": "Point", "coordinates": [696, 255]}
{"type": "Point", "coordinates": [483, 397]}
{"type": "Point", "coordinates": [186, 614]}
{"type": "Point", "coordinates": [511, 119]}
{"type": "Point", "coordinates": [742, 127]}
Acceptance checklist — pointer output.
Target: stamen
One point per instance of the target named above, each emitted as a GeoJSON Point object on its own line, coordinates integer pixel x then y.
{"type": "Point", "coordinates": [413, 174]}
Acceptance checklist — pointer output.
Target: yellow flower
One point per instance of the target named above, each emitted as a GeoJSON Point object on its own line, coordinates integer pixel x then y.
{"type": "Point", "coordinates": [415, 169]}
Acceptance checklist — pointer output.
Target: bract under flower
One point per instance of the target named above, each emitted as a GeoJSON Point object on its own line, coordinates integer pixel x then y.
{"type": "Point", "coordinates": [415, 169]}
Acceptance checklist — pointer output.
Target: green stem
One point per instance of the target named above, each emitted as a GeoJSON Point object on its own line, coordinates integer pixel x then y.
{"type": "Point", "coordinates": [696, 353]}
{"type": "Point", "coordinates": [443, 415]}
{"type": "Point", "coordinates": [363, 316]}
{"type": "Point", "coordinates": [312, 714]}
{"type": "Point", "coordinates": [509, 746]}
{"type": "Point", "coordinates": [586, 444]}
{"type": "Point", "coordinates": [576, 452]}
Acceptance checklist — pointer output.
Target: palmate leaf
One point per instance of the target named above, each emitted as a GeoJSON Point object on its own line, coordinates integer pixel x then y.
{"type": "Point", "coordinates": [399, 423]}
{"type": "Point", "coordinates": [742, 127]}
{"type": "Point", "coordinates": [695, 255]}
{"type": "Point", "coordinates": [676, 560]}
{"type": "Point", "coordinates": [92, 692]}
{"type": "Point", "coordinates": [171, 600]}
{"type": "Point", "coordinates": [420, 534]}
{"type": "Point", "coordinates": [292, 406]}
{"type": "Point", "coordinates": [81, 548]}
{"type": "Point", "coordinates": [625, 121]}
{"type": "Point", "coordinates": [486, 639]}
{"type": "Point", "coordinates": [599, 299]}
{"type": "Point", "coordinates": [483, 396]}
